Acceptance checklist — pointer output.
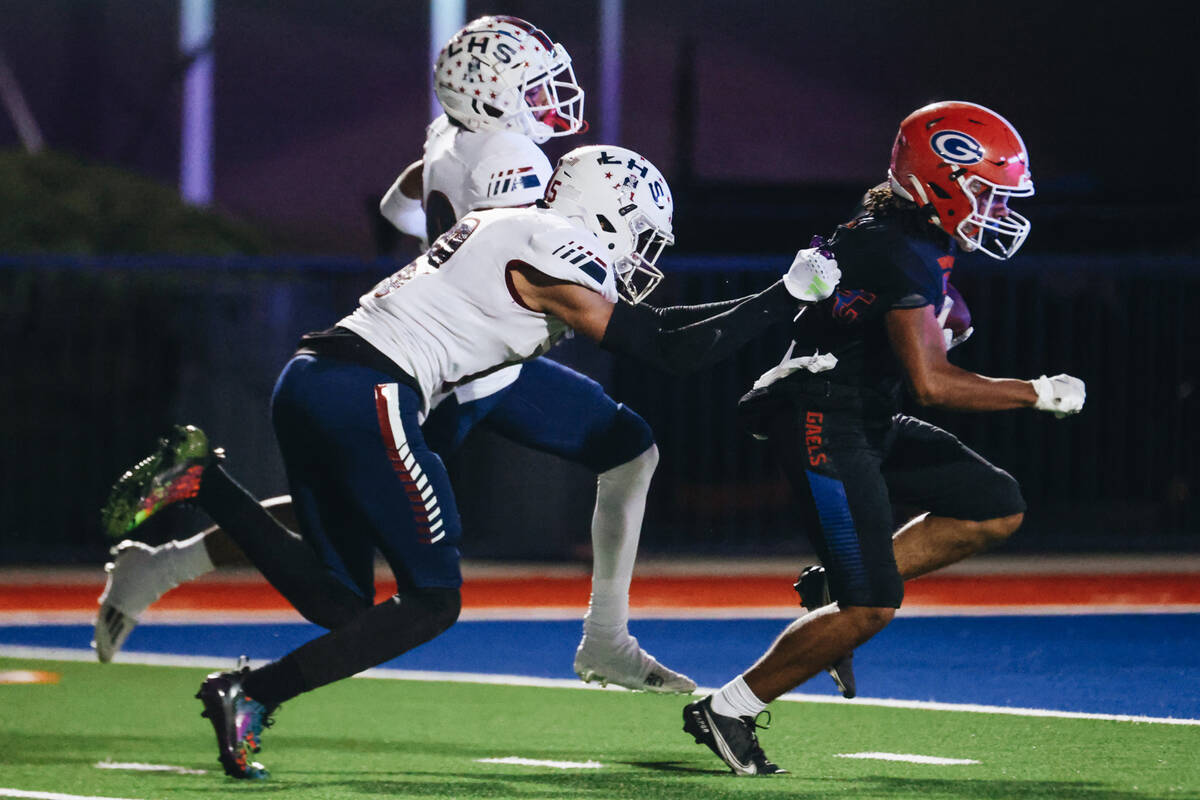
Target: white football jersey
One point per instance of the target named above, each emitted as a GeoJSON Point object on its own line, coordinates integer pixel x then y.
{"type": "Point", "coordinates": [482, 169]}
{"type": "Point", "coordinates": [450, 316]}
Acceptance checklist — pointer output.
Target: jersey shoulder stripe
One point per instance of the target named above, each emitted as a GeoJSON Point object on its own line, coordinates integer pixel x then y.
{"type": "Point", "coordinates": [512, 180]}
{"type": "Point", "coordinates": [570, 253]}
{"type": "Point", "coordinates": [580, 256]}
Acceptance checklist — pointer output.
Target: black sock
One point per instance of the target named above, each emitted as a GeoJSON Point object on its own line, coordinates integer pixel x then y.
{"type": "Point", "coordinates": [285, 560]}
{"type": "Point", "coordinates": [376, 635]}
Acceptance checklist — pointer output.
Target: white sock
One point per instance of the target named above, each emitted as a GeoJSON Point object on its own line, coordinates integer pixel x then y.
{"type": "Point", "coordinates": [144, 575]}
{"type": "Point", "coordinates": [616, 528]}
{"type": "Point", "coordinates": [188, 559]}
{"type": "Point", "coordinates": [736, 700]}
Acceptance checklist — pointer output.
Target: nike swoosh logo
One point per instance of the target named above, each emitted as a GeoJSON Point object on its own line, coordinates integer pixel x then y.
{"type": "Point", "coordinates": [725, 751]}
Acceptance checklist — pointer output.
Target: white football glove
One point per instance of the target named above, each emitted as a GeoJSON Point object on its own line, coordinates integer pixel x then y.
{"type": "Point", "coordinates": [813, 276]}
{"type": "Point", "coordinates": [944, 314]}
{"type": "Point", "coordinates": [951, 340]}
{"type": "Point", "coordinates": [954, 341]}
{"type": "Point", "coordinates": [817, 362]}
{"type": "Point", "coordinates": [1062, 395]}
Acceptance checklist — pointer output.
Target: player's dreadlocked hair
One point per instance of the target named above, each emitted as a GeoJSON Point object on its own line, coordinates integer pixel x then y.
{"type": "Point", "coordinates": [881, 201]}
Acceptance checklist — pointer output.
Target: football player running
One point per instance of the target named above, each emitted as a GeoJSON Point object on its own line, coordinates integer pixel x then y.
{"type": "Point", "coordinates": [845, 449]}
{"type": "Point", "coordinates": [505, 87]}
{"type": "Point", "coordinates": [501, 286]}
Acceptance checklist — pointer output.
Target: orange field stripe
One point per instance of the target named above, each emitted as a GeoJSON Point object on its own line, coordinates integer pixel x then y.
{"type": "Point", "coordinates": [680, 592]}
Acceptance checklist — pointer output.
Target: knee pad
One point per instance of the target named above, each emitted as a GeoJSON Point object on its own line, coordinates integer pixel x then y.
{"type": "Point", "coordinates": [881, 588]}
{"type": "Point", "coordinates": [625, 438]}
{"type": "Point", "coordinates": [994, 494]}
{"type": "Point", "coordinates": [402, 622]}
{"type": "Point", "coordinates": [331, 615]}
{"type": "Point", "coordinates": [378, 634]}
{"type": "Point", "coordinates": [442, 605]}
{"type": "Point", "coordinates": [1009, 500]}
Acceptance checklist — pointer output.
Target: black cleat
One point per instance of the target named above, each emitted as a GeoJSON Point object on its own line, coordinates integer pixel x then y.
{"type": "Point", "coordinates": [237, 720]}
{"type": "Point", "coordinates": [813, 588]}
{"type": "Point", "coordinates": [731, 738]}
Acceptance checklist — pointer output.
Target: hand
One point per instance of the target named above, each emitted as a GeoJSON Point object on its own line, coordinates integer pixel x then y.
{"type": "Point", "coordinates": [955, 339]}
{"type": "Point", "coordinates": [1061, 395]}
{"type": "Point", "coordinates": [955, 318]}
{"type": "Point", "coordinates": [814, 273]}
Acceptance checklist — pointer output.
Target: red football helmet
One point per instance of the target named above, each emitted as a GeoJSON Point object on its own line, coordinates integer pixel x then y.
{"type": "Point", "coordinates": [962, 162]}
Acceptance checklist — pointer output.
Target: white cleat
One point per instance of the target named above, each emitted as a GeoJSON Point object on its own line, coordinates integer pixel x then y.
{"type": "Point", "coordinates": [115, 622]}
{"type": "Point", "coordinates": [626, 664]}
{"type": "Point", "coordinates": [112, 629]}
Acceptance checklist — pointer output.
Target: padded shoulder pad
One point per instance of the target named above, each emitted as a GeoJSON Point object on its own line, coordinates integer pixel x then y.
{"type": "Point", "coordinates": [510, 171]}
{"type": "Point", "coordinates": [569, 253]}
{"type": "Point", "coordinates": [437, 127]}
{"type": "Point", "coordinates": [879, 257]}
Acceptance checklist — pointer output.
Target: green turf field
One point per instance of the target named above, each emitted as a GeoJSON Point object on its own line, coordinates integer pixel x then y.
{"type": "Point", "coordinates": [396, 739]}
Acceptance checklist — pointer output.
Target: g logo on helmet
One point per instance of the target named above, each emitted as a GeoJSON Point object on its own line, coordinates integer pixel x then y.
{"type": "Point", "coordinates": [957, 147]}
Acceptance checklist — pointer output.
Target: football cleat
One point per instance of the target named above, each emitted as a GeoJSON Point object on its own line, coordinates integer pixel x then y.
{"type": "Point", "coordinates": [112, 629]}
{"type": "Point", "coordinates": [169, 475]}
{"type": "Point", "coordinates": [813, 588]}
{"type": "Point", "coordinates": [732, 738]}
{"type": "Point", "coordinates": [626, 664]}
{"type": "Point", "coordinates": [115, 621]}
{"type": "Point", "coordinates": [238, 721]}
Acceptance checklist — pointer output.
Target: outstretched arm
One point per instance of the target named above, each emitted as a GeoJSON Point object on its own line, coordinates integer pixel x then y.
{"type": "Point", "coordinates": [646, 334]}
{"type": "Point", "coordinates": [649, 335]}
{"type": "Point", "coordinates": [639, 332]}
{"type": "Point", "coordinates": [917, 339]}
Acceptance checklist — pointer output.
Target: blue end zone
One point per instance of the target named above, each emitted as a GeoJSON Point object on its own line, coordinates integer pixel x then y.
{"type": "Point", "coordinates": [1138, 664]}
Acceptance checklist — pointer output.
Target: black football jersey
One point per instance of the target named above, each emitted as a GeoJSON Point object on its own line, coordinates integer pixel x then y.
{"type": "Point", "coordinates": [891, 261]}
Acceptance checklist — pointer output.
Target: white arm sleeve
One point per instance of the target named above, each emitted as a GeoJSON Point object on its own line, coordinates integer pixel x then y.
{"type": "Point", "coordinates": [404, 213]}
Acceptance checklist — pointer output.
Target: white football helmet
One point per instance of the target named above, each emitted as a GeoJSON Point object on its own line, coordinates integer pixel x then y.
{"type": "Point", "coordinates": [502, 73]}
{"type": "Point", "coordinates": [623, 199]}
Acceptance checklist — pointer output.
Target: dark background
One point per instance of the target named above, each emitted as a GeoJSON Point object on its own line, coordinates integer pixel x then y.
{"type": "Point", "coordinates": [782, 104]}
{"type": "Point", "coordinates": [769, 118]}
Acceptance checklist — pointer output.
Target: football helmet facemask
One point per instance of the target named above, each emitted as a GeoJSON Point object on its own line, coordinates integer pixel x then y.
{"type": "Point", "coordinates": [960, 162]}
{"type": "Point", "coordinates": [502, 73]}
{"type": "Point", "coordinates": [624, 200]}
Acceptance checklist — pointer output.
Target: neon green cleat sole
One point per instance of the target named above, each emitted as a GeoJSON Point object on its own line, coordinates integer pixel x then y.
{"type": "Point", "coordinates": [169, 475]}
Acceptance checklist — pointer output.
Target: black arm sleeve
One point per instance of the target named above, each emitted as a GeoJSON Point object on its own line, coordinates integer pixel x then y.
{"type": "Point", "coordinates": [640, 331]}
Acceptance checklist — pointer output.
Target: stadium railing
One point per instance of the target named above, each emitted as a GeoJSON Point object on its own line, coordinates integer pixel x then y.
{"type": "Point", "coordinates": [100, 355]}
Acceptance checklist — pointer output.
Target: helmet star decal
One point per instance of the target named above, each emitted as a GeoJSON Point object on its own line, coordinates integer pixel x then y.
{"type": "Point", "coordinates": [536, 96]}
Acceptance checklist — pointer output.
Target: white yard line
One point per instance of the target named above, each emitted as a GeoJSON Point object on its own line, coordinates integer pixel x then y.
{"type": "Point", "coordinates": [137, 766]}
{"type": "Point", "coordinates": [538, 762]}
{"type": "Point", "coordinates": [910, 758]}
{"type": "Point", "coordinates": [54, 795]}
{"type": "Point", "coordinates": [217, 662]}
